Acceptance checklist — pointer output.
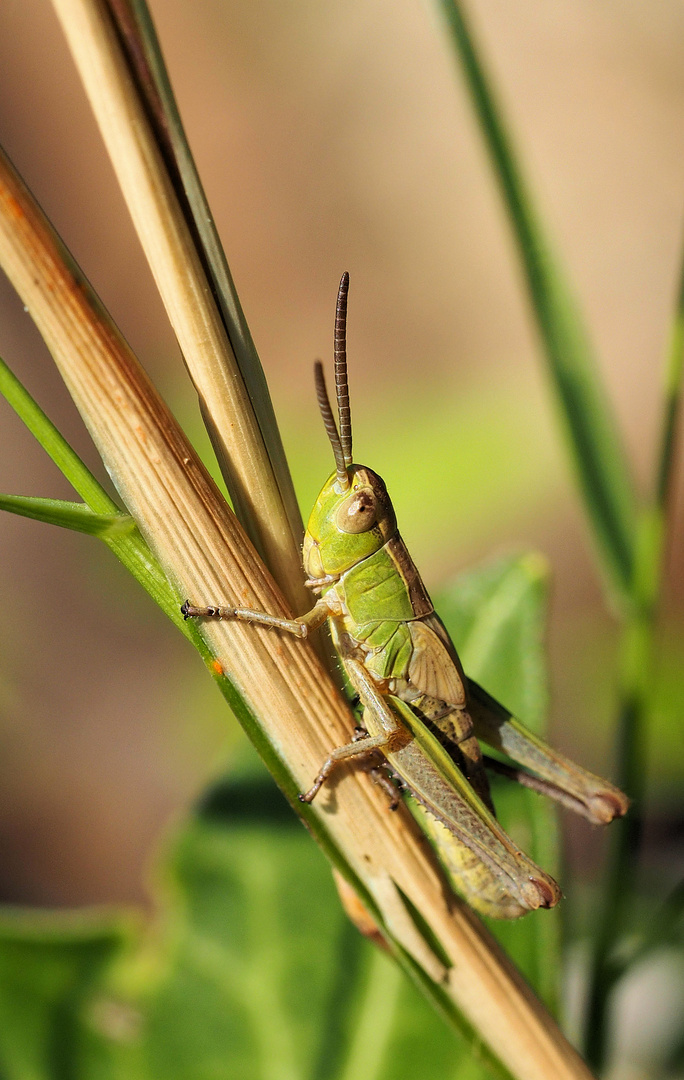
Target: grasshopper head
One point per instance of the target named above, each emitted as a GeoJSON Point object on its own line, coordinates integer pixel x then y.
{"type": "Point", "coordinates": [348, 525]}
{"type": "Point", "coordinates": [353, 516]}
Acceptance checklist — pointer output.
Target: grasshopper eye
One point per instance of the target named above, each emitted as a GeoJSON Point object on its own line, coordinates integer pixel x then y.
{"type": "Point", "coordinates": [358, 513]}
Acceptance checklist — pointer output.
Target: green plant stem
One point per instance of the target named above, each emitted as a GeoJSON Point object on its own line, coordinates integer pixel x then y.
{"type": "Point", "coordinates": [68, 515]}
{"type": "Point", "coordinates": [636, 679]}
{"type": "Point", "coordinates": [54, 444]}
{"type": "Point", "coordinates": [130, 549]}
{"type": "Point", "coordinates": [595, 446]}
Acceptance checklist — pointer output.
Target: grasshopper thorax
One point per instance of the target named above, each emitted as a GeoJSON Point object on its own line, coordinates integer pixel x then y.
{"type": "Point", "coordinates": [346, 526]}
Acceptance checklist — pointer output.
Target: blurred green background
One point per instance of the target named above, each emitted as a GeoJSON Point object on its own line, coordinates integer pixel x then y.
{"type": "Point", "coordinates": [334, 137]}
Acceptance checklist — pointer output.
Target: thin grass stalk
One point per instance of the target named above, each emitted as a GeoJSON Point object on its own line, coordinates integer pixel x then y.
{"type": "Point", "coordinates": [592, 433]}
{"type": "Point", "coordinates": [170, 246]}
{"type": "Point", "coordinates": [130, 549]}
{"type": "Point", "coordinates": [635, 689]}
{"type": "Point", "coordinates": [278, 684]}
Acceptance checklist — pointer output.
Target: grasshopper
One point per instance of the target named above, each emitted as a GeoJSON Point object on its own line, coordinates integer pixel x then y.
{"type": "Point", "coordinates": [422, 716]}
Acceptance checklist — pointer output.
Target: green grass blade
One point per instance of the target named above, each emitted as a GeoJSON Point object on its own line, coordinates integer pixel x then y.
{"type": "Point", "coordinates": [68, 515]}
{"type": "Point", "coordinates": [55, 445]}
{"type": "Point", "coordinates": [136, 556]}
{"type": "Point", "coordinates": [590, 425]}
{"type": "Point", "coordinates": [635, 695]}
{"type": "Point", "coordinates": [130, 549]}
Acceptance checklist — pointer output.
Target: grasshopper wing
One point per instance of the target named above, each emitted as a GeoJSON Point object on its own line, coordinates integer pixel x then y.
{"type": "Point", "coordinates": [432, 669]}
{"type": "Point", "coordinates": [438, 784]}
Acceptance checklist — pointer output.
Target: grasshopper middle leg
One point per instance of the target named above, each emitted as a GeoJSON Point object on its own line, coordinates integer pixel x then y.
{"type": "Point", "coordinates": [377, 711]}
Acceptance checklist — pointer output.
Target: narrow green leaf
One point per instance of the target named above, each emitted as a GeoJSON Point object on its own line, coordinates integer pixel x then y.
{"type": "Point", "coordinates": [635, 707]}
{"type": "Point", "coordinates": [54, 443]}
{"type": "Point", "coordinates": [589, 422]}
{"type": "Point", "coordinates": [129, 548]}
{"type": "Point", "coordinates": [69, 515]}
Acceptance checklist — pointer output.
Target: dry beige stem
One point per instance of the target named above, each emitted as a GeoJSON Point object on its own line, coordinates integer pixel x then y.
{"type": "Point", "coordinates": [183, 286]}
{"type": "Point", "coordinates": [205, 551]}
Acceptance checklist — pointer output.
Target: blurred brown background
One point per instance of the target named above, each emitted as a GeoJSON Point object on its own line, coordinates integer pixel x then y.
{"type": "Point", "coordinates": [335, 137]}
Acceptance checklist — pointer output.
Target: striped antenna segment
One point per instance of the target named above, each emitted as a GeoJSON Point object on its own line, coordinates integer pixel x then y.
{"type": "Point", "coordinates": [341, 385]}
{"type": "Point", "coordinates": [330, 425]}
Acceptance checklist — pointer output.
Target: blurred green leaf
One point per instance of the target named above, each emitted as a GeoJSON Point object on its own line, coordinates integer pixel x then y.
{"type": "Point", "coordinates": [49, 964]}
{"type": "Point", "coordinates": [496, 616]}
{"type": "Point", "coordinates": [69, 515]}
{"type": "Point", "coordinates": [251, 970]}
{"type": "Point", "coordinates": [258, 974]}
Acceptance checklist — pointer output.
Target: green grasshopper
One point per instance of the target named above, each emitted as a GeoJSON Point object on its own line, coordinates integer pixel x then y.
{"type": "Point", "coordinates": [421, 716]}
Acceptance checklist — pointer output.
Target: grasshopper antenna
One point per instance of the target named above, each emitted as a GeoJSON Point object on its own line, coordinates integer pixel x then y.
{"type": "Point", "coordinates": [331, 426]}
{"type": "Point", "coordinates": [341, 385]}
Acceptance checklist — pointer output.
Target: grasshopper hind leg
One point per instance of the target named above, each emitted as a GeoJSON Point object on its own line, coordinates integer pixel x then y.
{"type": "Point", "coordinates": [453, 727]}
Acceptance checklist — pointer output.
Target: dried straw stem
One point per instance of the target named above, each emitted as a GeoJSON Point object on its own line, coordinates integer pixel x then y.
{"type": "Point", "coordinates": [182, 282]}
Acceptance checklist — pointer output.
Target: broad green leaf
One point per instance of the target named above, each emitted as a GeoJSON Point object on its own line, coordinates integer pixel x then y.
{"type": "Point", "coordinates": [69, 515]}
{"type": "Point", "coordinates": [268, 979]}
{"type": "Point", "coordinates": [251, 970]}
{"type": "Point", "coordinates": [496, 616]}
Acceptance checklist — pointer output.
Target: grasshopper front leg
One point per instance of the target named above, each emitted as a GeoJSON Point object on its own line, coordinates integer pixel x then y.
{"type": "Point", "coordinates": [300, 627]}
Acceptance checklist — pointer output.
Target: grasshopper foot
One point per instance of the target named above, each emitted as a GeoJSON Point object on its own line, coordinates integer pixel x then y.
{"type": "Point", "coordinates": [188, 611]}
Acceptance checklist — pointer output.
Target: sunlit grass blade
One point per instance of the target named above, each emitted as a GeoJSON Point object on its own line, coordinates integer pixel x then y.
{"type": "Point", "coordinates": [55, 445]}
{"type": "Point", "coordinates": [591, 428]}
{"type": "Point", "coordinates": [69, 515]}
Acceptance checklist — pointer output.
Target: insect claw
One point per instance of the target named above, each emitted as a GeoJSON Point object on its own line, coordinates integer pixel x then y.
{"type": "Point", "coordinates": [185, 610]}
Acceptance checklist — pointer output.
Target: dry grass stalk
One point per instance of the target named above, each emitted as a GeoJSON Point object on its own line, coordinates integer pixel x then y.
{"type": "Point", "coordinates": [182, 283]}
{"type": "Point", "coordinates": [206, 553]}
